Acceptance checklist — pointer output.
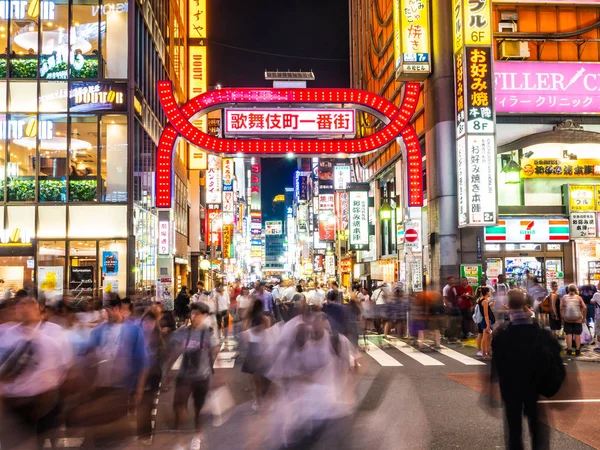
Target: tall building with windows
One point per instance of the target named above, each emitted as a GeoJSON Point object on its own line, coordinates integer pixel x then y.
{"type": "Point", "coordinates": [79, 124]}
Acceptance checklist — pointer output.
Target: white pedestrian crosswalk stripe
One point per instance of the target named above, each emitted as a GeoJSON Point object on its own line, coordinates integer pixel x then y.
{"type": "Point", "coordinates": [467, 361]}
{"type": "Point", "coordinates": [380, 356]}
{"type": "Point", "coordinates": [414, 353]}
{"type": "Point", "coordinates": [373, 346]}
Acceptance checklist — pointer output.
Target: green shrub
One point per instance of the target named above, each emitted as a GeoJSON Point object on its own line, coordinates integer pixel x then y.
{"type": "Point", "coordinates": [23, 68]}
{"type": "Point", "coordinates": [21, 190]}
{"type": "Point", "coordinates": [82, 190]}
{"type": "Point", "coordinates": [52, 190]}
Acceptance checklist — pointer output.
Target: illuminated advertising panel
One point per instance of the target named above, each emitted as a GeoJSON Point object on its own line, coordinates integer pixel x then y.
{"type": "Point", "coordinates": [255, 184]}
{"type": "Point", "coordinates": [197, 18]}
{"type": "Point", "coordinates": [94, 96]}
{"type": "Point", "coordinates": [213, 179]}
{"type": "Point", "coordinates": [479, 94]}
{"type": "Point", "coordinates": [397, 34]}
{"type": "Point", "coordinates": [290, 121]}
{"type": "Point", "coordinates": [228, 172]}
{"type": "Point", "coordinates": [358, 238]}
{"type": "Point", "coordinates": [414, 22]}
{"type": "Point", "coordinates": [197, 74]}
{"type": "Point", "coordinates": [274, 227]}
{"type": "Point", "coordinates": [228, 251]}
{"type": "Point", "coordinates": [477, 22]}
{"type": "Point", "coordinates": [342, 177]}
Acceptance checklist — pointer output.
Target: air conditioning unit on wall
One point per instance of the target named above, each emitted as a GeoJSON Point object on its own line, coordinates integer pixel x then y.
{"type": "Point", "coordinates": [518, 50]}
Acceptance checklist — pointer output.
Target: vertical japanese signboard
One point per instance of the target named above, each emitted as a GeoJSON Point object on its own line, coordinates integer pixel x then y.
{"type": "Point", "coordinates": [228, 251]}
{"type": "Point", "coordinates": [255, 179]}
{"type": "Point", "coordinates": [228, 172]}
{"type": "Point", "coordinates": [474, 100]}
{"type": "Point", "coordinates": [358, 226]}
{"type": "Point", "coordinates": [213, 180]}
{"type": "Point", "coordinates": [415, 41]}
{"type": "Point", "coordinates": [197, 72]}
{"type": "Point", "coordinates": [397, 35]}
{"type": "Point", "coordinates": [164, 237]}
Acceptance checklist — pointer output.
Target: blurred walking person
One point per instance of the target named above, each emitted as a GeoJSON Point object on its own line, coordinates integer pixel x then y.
{"type": "Point", "coordinates": [198, 344]}
{"type": "Point", "coordinates": [526, 362]}
{"type": "Point", "coordinates": [255, 363]}
{"type": "Point", "coordinates": [35, 357]}
{"type": "Point", "coordinates": [182, 305]}
{"type": "Point", "coordinates": [221, 299]}
{"type": "Point", "coordinates": [156, 353]}
{"type": "Point", "coordinates": [573, 311]}
{"type": "Point", "coordinates": [485, 304]}
{"type": "Point", "coordinates": [465, 294]}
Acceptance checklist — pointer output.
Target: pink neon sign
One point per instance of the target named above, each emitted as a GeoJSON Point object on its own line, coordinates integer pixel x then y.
{"type": "Point", "coordinates": [547, 87]}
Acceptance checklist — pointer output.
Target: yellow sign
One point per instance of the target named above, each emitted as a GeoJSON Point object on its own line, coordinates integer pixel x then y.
{"type": "Point", "coordinates": [477, 22]}
{"type": "Point", "coordinates": [279, 198]}
{"type": "Point", "coordinates": [414, 17]}
{"type": "Point", "coordinates": [197, 158]}
{"type": "Point", "coordinates": [560, 168]}
{"type": "Point", "coordinates": [397, 35]}
{"type": "Point", "coordinates": [197, 77]}
{"type": "Point", "coordinates": [581, 197]}
{"type": "Point", "coordinates": [457, 29]}
{"type": "Point", "coordinates": [197, 18]}
{"type": "Point", "coordinates": [227, 235]}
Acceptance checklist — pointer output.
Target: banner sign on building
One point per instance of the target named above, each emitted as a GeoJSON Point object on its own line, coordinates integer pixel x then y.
{"type": "Point", "coordinates": [318, 264]}
{"type": "Point", "coordinates": [583, 225]}
{"type": "Point", "coordinates": [273, 227]}
{"type": "Point", "coordinates": [197, 18]}
{"type": "Point", "coordinates": [326, 202]}
{"type": "Point", "coordinates": [539, 87]}
{"type": "Point", "coordinates": [397, 35]}
{"type": "Point", "coordinates": [583, 197]}
{"type": "Point", "coordinates": [197, 158]}
{"type": "Point", "coordinates": [164, 237]}
{"type": "Point", "coordinates": [325, 176]}
{"type": "Point", "coordinates": [327, 226]}
{"type": "Point", "coordinates": [415, 40]}
{"type": "Point", "coordinates": [528, 230]}
{"type": "Point", "coordinates": [213, 179]}
{"type": "Point", "coordinates": [255, 180]}
{"type": "Point", "coordinates": [227, 241]}
{"type": "Point", "coordinates": [559, 168]}
{"type": "Point", "coordinates": [320, 122]}
{"type": "Point", "coordinates": [358, 238]}
{"type": "Point", "coordinates": [330, 265]}
{"type": "Point", "coordinates": [341, 177]}
{"type": "Point", "coordinates": [198, 75]}
{"type": "Point", "coordinates": [228, 202]}
{"type": "Point", "coordinates": [480, 118]}
{"type": "Point", "coordinates": [228, 173]}
{"type": "Point", "coordinates": [476, 144]}
{"type": "Point", "coordinates": [342, 209]}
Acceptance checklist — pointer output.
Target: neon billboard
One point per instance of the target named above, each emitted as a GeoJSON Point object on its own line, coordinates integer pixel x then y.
{"type": "Point", "coordinates": [396, 120]}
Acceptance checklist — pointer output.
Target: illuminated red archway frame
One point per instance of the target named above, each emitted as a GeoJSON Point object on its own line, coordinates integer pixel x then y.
{"type": "Point", "coordinates": [398, 124]}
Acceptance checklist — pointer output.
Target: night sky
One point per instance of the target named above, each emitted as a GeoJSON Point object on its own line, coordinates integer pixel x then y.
{"type": "Point", "coordinates": [300, 28]}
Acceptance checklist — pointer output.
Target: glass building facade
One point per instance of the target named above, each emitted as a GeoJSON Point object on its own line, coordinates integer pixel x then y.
{"type": "Point", "coordinates": [79, 124]}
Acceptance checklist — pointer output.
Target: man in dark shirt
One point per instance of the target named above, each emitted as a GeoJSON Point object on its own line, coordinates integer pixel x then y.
{"type": "Point", "coordinates": [514, 364]}
{"type": "Point", "coordinates": [335, 295]}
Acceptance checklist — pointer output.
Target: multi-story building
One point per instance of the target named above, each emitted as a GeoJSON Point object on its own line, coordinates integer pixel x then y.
{"type": "Point", "coordinates": [78, 132]}
{"type": "Point", "coordinates": [546, 133]}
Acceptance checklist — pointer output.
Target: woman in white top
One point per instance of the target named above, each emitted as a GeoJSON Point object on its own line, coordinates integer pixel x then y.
{"type": "Point", "coordinates": [244, 300]}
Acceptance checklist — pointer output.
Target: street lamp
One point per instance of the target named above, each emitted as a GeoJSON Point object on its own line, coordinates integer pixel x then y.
{"type": "Point", "coordinates": [205, 264]}
{"type": "Point", "coordinates": [385, 212]}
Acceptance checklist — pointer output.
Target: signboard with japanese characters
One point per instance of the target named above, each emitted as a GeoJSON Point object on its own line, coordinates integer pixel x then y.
{"type": "Point", "coordinates": [213, 179]}
{"type": "Point", "coordinates": [255, 180]}
{"type": "Point", "coordinates": [164, 237]}
{"type": "Point", "coordinates": [274, 227]}
{"type": "Point", "coordinates": [479, 93]}
{"type": "Point", "coordinates": [416, 269]}
{"type": "Point", "coordinates": [213, 228]}
{"type": "Point", "coordinates": [197, 18]}
{"type": "Point", "coordinates": [559, 168]}
{"type": "Point", "coordinates": [228, 171]}
{"type": "Point", "coordinates": [330, 265]}
{"type": "Point", "coordinates": [196, 158]}
{"type": "Point", "coordinates": [477, 22]}
{"type": "Point", "coordinates": [583, 197]}
{"type": "Point", "coordinates": [540, 87]}
{"type": "Point", "coordinates": [358, 238]}
{"type": "Point", "coordinates": [327, 226]}
{"type": "Point", "coordinates": [325, 176]}
{"type": "Point", "coordinates": [341, 177]}
{"type": "Point", "coordinates": [414, 22]}
{"type": "Point", "coordinates": [461, 175]}
{"type": "Point", "coordinates": [326, 202]}
{"type": "Point", "coordinates": [583, 225]}
{"type": "Point", "coordinates": [481, 180]}
{"type": "Point", "coordinates": [341, 209]}
{"type": "Point", "coordinates": [290, 121]}
{"type": "Point", "coordinates": [197, 73]}
{"type": "Point", "coordinates": [459, 92]}
{"type": "Point", "coordinates": [228, 202]}
{"type": "Point", "coordinates": [301, 185]}
{"type": "Point", "coordinates": [475, 114]}
{"type": "Point", "coordinates": [397, 34]}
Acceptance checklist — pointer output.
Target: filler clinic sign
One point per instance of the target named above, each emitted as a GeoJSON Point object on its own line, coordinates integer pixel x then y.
{"type": "Point", "coordinates": [290, 121]}
{"type": "Point", "coordinates": [546, 87]}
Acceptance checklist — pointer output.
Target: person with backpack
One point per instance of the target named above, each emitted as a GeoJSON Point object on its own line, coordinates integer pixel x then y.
{"type": "Point", "coordinates": [573, 311]}
{"type": "Point", "coordinates": [526, 362]}
{"type": "Point", "coordinates": [199, 345]}
{"type": "Point", "coordinates": [484, 317]}
{"type": "Point", "coordinates": [554, 300]}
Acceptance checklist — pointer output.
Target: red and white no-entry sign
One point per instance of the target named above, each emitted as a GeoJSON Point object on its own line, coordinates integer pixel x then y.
{"type": "Point", "coordinates": [412, 235]}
